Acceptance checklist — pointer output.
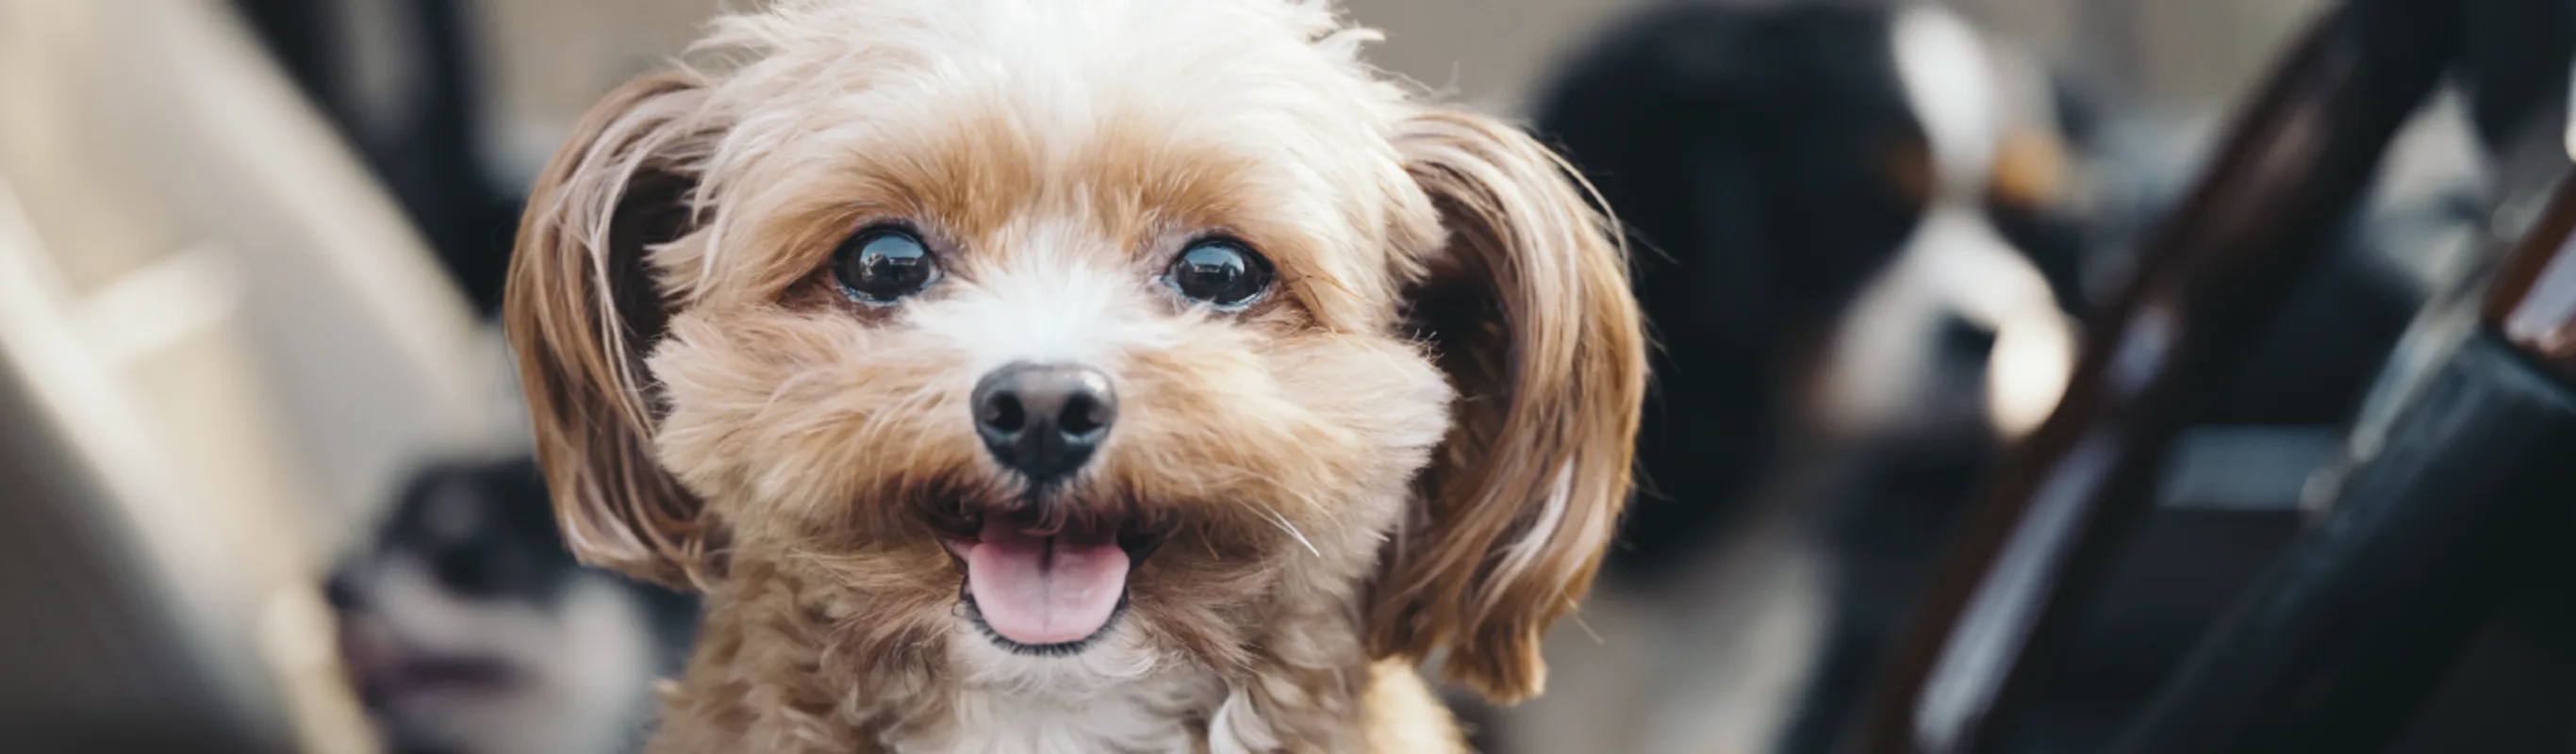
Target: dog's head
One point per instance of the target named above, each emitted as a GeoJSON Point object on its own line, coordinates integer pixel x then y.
{"type": "Point", "coordinates": [1058, 321]}
{"type": "Point", "coordinates": [466, 627]}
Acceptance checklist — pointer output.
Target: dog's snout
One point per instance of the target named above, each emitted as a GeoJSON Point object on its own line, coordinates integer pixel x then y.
{"type": "Point", "coordinates": [1044, 420]}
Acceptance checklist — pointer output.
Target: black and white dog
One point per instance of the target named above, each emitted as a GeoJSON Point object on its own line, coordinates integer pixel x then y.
{"type": "Point", "coordinates": [467, 627]}
{"type": "Point", "coordinates": [1835, 203]}
{"type": "Point", "coordinates": [1859, 251]}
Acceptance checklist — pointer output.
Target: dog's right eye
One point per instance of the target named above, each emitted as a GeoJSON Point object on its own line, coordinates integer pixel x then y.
{"type": "Point", "coordinates": [1221, 273]}
{"type": "Point", "coordinates": [882, 264]}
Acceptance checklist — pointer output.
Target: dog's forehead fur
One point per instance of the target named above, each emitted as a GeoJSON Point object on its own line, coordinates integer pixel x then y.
{"type": "Point", "coordinates": [1011, 127]}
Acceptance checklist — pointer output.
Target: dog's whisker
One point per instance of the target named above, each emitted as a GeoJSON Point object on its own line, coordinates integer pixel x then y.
{"type": "Point", "coordinates": [1577, 617]}
{"type": "Point", "coordinates": [1282, 521]}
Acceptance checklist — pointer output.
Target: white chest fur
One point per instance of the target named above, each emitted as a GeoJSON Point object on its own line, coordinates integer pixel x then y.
{"type": "Point", "coordinates": [1114, 696]}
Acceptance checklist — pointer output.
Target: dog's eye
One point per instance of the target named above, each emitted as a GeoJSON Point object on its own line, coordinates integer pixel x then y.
{"type": "Point", "coordinates": [882, 264]}
{"type": "Point", "coordinates": [1220, 272]}
{"type": "Point", "coordinates": [467, 570]}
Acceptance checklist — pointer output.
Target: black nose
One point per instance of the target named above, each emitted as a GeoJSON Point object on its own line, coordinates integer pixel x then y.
{"type": "Point", "coordinates": [1043, 420]}
{"type": "Point", "coordinates": [341, 592]}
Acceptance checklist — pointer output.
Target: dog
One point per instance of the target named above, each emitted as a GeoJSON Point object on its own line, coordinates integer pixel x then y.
{"type": "Point", "coordinates": [1781, 162]}
{"type": "Point", "coordinates": [1141, 375]}
{"type": "Point", "coordinates": [467, 627]}
{"type": "Point", "coordinates": [1866, 229]}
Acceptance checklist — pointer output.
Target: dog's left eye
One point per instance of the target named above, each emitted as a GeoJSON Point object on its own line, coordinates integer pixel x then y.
{"type": "Point", "coordinates": [1220, 272]}
{"type": "Point", "coordinates": [882, 264]}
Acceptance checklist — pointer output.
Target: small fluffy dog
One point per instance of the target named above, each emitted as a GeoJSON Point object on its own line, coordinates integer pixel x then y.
{"type": "Point", "coordinates": [1136, 375]}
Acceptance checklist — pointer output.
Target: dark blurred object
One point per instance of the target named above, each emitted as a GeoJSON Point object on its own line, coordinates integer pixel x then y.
{"type": "Point", "coordinates": [2426, 610]}
{"type": "Point", "coordinates": [2312, 358]}
{"type": "Point", "coordinates": [2423, 546]}
{"type": "Point", "coordinates": [2302, 678]}
{"type": "Point", "coordinates": [416, 121]}
{"type": "Point", "coordinates": [468, 627]}
{"type": "Point", "coordinates": [2514, 68]}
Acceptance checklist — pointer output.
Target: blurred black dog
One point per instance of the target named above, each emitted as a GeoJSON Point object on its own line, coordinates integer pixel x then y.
{"type": "Point", "coordinates": [467, 627]}
{"type": "Point", "coordinates": [1808, 186]}
{"type": "Point", "coordinates": [1771, 164]}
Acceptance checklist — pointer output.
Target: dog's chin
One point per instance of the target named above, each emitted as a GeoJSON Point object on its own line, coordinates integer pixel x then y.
{"type": "Point", "coordinates": [1048, 588]}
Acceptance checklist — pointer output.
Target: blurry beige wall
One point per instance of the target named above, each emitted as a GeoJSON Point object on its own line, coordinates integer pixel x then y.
{"type": "Point", "coordinates": [2183, 54]}
{"type": "Point", "coordinates": [552, 57]}
{"type": "Point", "coordinates": [1490, 53]}
{"type": "Point", "coordinates": [1489, 49]}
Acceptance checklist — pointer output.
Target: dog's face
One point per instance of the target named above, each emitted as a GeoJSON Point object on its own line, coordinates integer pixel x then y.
{"type": "Point", "coordinates": [1049, 326]}
{"type": "Point", "coordinates": [466, 626]}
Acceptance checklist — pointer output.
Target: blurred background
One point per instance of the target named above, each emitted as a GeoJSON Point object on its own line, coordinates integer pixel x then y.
{"type": "Point", "coordinates": [263, 483]}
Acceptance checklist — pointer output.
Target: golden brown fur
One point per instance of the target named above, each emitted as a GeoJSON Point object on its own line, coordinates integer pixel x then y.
{"type": "Point", "coordinates": [1419, 442]}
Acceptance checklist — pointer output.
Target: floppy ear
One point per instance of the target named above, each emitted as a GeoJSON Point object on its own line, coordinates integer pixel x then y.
{"type": "Point", "coordinates": [1526, 298]}
{"type": "Point", "coordinates": [582, 310]}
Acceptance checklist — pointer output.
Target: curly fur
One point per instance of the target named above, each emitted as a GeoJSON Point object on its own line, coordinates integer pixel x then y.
{"type": "Point", "coordinates": [1419, 441]}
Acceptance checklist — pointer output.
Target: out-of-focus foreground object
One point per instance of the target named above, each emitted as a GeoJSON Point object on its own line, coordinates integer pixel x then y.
{"type": "Point", "coordinates": [2420, 544]}
{"type": "Point", "coordinates": [2453, 478]}
{"type": "Point", "coordinates": [218, 341]}
{"type": "Point", "coordinates": [2292, 168]}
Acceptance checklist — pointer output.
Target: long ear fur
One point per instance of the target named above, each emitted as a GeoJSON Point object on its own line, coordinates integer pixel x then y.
{"type": "Point", "coordinates": [1527, 300]}
{"type": "Point", "coordinates": [582, 310]}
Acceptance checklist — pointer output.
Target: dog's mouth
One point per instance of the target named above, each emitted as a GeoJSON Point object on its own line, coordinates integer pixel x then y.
{"type": "Point", "coordinates": [385, 675]}
{"type": "Point", "coordinates": [1036, 590]}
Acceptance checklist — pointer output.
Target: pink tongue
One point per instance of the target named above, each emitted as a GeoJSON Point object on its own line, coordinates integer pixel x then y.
{"type": "Point", "coordinates": [1044, 590]}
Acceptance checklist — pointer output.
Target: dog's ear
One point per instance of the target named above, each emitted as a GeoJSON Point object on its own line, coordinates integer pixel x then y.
{"type": "Point", "coordinates": [583, 309]}
{"type": "Point", "coordinates": [1524, 293]}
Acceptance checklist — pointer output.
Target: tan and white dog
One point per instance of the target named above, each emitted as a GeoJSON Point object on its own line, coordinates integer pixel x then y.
{"type": "Point", "coordinates": [1015, 375]}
